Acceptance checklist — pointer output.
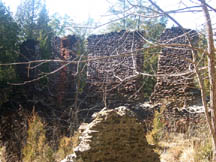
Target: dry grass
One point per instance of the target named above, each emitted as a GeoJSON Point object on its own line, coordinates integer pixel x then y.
{"type": "Point", "coordinates": [37, 148]}
{"type": "Point", "coordinates": [157, 133]}
{"type": "Point", "coordinates": [66, 146]}
{"type": "Point", "coordinates": [177, 149]}
{"type": "Point", "coordinates": [192, 146]}
{"type": "Point", "coordinates": [181, 149]}
{"type": "Point", "coordinates": [2, 154]}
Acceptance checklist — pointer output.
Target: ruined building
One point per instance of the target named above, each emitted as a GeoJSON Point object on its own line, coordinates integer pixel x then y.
{"type": "Point", "coordinates": [111, 77]}
{"type": "Point", "coordinates": [175, 78]}
{"type": "Point", "coordinates": [114, 60]}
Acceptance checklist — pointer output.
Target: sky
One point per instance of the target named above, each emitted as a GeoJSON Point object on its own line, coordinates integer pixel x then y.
{"type": "Point", "coordinates": [81, 10]}
{"type": "Point", "coordinates": [78, 9]}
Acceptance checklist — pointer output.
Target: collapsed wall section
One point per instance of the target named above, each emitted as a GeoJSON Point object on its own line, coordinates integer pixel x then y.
{"type": "Point", "coordinates": [175, 79]}
{"type": "Point", "coordinates": [114, 135]}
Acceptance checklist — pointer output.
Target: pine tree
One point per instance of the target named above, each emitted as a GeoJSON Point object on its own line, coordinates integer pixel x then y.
{"type": "Point", "coordinates": [8, 46]}
{"type": "Point", "coordinates": [44, 33]}
{"type": "Point", "coordinates": [27, 16]}
{"type": "Point", "coordinates": [133, 15]}
{"type": "Point", "coordinates": [8, 35]}
{"type": "Point", "coordinates": [33, 19]}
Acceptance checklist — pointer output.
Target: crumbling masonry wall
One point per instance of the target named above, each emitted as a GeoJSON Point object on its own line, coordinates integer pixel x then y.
{"type": "Point", "coordinates": [111, 45]}
{"type": "Point", "coordinates": [175, 60]}
{"type": "Point", "coordinates": [66, 49]}
{"type": "Point", "coordinates": [114, 135]}
{"type": "Point", "coordinates": [103, 73]}
{"type": "Point", "coordinates": [116, 56]}
{"type": "Point", "coordinates": [115, 59]}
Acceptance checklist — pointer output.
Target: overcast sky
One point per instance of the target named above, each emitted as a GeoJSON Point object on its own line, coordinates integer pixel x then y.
{"type": "Point", "coordinates": [81, 10]}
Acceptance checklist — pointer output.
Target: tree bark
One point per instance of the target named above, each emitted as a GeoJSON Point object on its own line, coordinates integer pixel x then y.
{"type": "Point", "coordinates": [211, 74]}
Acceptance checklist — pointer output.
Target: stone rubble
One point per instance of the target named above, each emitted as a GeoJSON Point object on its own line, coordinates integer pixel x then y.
{"type": "Point", "coordinates": [114, 135]}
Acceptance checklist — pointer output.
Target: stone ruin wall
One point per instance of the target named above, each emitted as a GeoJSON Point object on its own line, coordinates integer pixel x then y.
{"type": "Point", "coordinates": [110, 71]}
{"type": "Point", "coordinates": [107, 69]}
{"type": "Point", "coordinates": [120, 135]}
{"type": "Point", "coordinates": [102, 45]}
{"type": "Point", "coordinates": [177, 96]}
{"type": "Point", "coordinates": [69, 50]}
{"type": "Point", "coordinates": [175, 60]}
{"type": "Point", "coordinates": [66, 49]}
{"type": "Point", "coordinates": [113, 135]}
{"type": "Point", "coordinates": [171, 60]}
{"type": "Point", "coordinates": [105, 73]}
{"type": "Point", "coordinates": [114, 44]}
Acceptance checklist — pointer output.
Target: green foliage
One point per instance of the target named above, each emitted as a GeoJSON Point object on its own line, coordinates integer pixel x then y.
{"type": "Point", "coordinates": [8, 35]}
{"type": "Point", "coordinates": [133, 15]}
{"type": "Point", "coordinates": [33, 19]}
{"type": "Point", "coordinates": [61, 25]}
{"type": "Point", "coordinates": [27, 17]}
{"type": "Point", "coordinates": [203, 61]}
{"type": "Point", "coordinates": [64, 25]}
{"type": "Point", "coordinates": [153, 31]}
{"type": "Point", "coordinates": [123, 9]}
{"type": "Point", "coordinates": [154, 28]}
{"type": "Point", "coordinates": [8, 51]}
{"type": "Point", "coordinates": [45, 33]}
{"type": "Point", "coordinates": [149, 66]}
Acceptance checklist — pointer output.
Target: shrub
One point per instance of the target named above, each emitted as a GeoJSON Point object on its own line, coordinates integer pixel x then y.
{"type": "Point", "coordinates": [157, 132]}
{"type": "Point", "coordinates": [37, 148]}
{"type": "Point", "coordinates": [66, 146]}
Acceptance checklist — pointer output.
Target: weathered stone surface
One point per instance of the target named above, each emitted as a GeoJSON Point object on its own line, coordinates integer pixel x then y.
{"type": "Point", "coordinates": [175, 60]}
{"type": "Point", "coordinates": [122, 60]}
{"type": "Point", "coordinates": [181, 120]}
{"type": "Point", "coordinates": [67, 48]}
{"type": "Point", "coordinates": [114, 44]}
{"type": "Point", "coordinates": [114, 135]}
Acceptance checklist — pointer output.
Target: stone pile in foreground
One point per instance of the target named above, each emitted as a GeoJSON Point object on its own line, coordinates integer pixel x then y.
{"type": "Point", "coordinates": [114, 135]}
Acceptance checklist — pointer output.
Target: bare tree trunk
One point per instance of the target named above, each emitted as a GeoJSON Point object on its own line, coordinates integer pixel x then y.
{"type": "Point", "coordinates": [211, 120]}
{"type": "Point", "coordinates": [211, 73]}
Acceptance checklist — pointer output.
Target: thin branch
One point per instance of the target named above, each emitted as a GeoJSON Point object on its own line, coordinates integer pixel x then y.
{"type": "Point", "coordinates": [165, 13]}
{"type": "Point", "coordinates": [88, 59]}
{"type": "Point", "coordinates": [41, 77]}
{"type": "Point", "coordinates": [206, 4]}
